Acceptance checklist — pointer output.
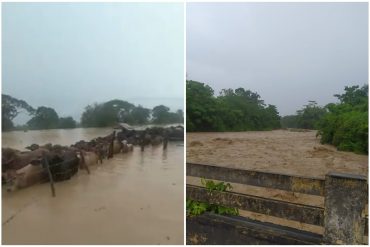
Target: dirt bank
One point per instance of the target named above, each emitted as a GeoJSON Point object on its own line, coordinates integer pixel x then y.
{"type": "Point", "coordinates": [283, 151]}
{"type": "Point", "coordinates": [134, 198]}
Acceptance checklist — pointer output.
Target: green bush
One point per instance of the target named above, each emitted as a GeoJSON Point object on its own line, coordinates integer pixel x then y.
{"type": "Point", "coordinates": [231, 110]}
{"type": "Point", "coordinates": [346, 123]}
{"type": "Point", "coordinates": [194, 208]}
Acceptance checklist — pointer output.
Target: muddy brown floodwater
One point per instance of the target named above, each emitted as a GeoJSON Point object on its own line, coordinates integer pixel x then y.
{"type": "Point", "coordinates": [281, 151]}
{"type": "Point", "coordinates": [134, 198]}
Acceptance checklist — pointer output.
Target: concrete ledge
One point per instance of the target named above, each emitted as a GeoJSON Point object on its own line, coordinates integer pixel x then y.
{"type": "Point", "coordinates": [306, 185]}
{"type": "Point", "coordinates": [291, 211]}
{"type": "Point", "coordinates": [217, 229]}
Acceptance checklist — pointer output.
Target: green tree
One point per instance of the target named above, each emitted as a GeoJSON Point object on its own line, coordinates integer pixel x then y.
{"type": "Point", "coordinates": [138, 115]}
{"type": "Point", "coordinates": [106, 114]}
{"type": "Point", "coordinates": [354, 96]}
{"type": "Point", "coordinates": [160, 114]}
{"type": "Point", "coordinates": [90, 116]}
{"type": "Point", "coordinates": [115, 111]}
{"type": "Point", "coordinates": [310, 115]}
{"type": "Point", "coordinates": [44, 118]}
{"type": "Point", "coordinates": [346, 123]}
{"type": "Point", "coordinates": [201, 108]}
{"type": "Point", "coordinates": [271, 117]}
{"type": "Point", "coordinates": [232, 110]}
{"type": "Point", "coordinates": [289, 121]}
{"type": "Point", "coordinates": [10, 108]}
{"type": "Point", "coordinates": [67, 123]}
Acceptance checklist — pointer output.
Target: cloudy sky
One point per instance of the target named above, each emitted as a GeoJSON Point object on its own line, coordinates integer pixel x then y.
{"type": "Point", "coordinates": [287, 52]}
{"type": "Point", "coordinates": [69, 55]}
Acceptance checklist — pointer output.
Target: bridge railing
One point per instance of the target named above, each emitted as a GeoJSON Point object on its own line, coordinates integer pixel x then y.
{"type": "Point", "coordinates": [342, 216]}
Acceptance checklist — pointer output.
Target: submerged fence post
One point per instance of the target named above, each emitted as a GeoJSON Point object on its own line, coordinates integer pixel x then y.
{"type": "Point", "coordinates": [46, 166]}
{"type": "Point", "coordinates": [345, 201]}
{"type": "Point", "coordinates": [165, 142]}
{"type": "Point", "coordinates": [111, 144]}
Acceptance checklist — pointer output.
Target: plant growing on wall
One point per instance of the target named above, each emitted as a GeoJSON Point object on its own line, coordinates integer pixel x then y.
{"type": "Point", "coordinates": [194, 208]}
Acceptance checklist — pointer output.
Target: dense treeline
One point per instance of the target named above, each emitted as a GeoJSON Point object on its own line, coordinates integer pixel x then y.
{"type": "Point", "coordinates": [305, 118]}
{"type": "Point", "coordinates": [42, 117]}
{"type": "Point", "coordinates": [97, 115]}
{"type": "Point", "coordinates": [232, 110]}
{"type": "Point", "coordinates": [115, 111]}
{"type": "Point", "coordinates": [344, 124]}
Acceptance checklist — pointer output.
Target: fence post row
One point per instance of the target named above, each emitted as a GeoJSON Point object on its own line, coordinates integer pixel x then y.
{"type": "Point", "coordinates": [345, 202]}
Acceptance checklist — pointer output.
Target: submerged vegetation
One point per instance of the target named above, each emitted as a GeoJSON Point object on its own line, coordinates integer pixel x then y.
{"type": "Point", "coordinates": [97, 115]}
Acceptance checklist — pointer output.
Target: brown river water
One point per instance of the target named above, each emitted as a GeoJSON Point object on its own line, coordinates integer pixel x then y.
{"type": "Point", "coordinates": [134, 198]}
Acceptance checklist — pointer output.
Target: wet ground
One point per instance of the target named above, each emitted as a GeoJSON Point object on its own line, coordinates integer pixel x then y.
{"type": "Point", "coordinates": [134, 198]}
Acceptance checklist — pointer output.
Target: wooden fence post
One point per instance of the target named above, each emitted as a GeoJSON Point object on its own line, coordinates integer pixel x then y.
{"type": "Point", "coordinates": [345, 201]}
{"type": "Point", "coordinates": [110, 150]}
{"type": "Point", "coordinates": [46, 166]}
{"type": "Point", "coordinates": [165, 142]}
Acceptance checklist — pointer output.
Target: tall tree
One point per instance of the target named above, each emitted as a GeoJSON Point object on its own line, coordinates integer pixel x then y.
{"type": "Point", "coordinates": [138, 115]}
{"type": "Point", "coordinates": [310, 115]}
{"type": "Point", "coordinates": [232, 110]}
{"type": "Point", "coordinates": [67, 123]}
{"type": "Point", "coordinates": [346, 123]}
{"type": "Point", "coordinates": [10, 108]}
{"type": "Point", "coordinates": [160, 114]}
{"type": "Point", "coordinates": [201, 108]}
{"type": "Point", "coordinates": [44, 118]}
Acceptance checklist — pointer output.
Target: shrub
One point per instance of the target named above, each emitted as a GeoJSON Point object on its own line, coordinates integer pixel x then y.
{"type": "Point", "coordinates": [346, 123]}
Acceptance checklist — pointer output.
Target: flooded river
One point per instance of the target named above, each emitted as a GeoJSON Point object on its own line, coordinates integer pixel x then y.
{"type": "Point", "coordinates": [134, 198]}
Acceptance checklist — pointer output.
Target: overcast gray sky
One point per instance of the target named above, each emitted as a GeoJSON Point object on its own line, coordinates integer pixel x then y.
{"type": "Point", "coordinates": [289, 53]}
{"type": "Point", "coordinates": [69, 55]}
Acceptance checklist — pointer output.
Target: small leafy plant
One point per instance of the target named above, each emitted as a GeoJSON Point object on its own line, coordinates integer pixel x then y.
{"type": "Point", "coordinates": [194, 208]}
{"type": "Point", "coordinates": [210, 185]}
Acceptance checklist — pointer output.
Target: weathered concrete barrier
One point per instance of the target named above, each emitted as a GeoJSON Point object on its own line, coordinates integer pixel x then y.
{"type": "Point", "coordinates": [342, 217]}
{"type": "Point", "coordinates": [307, 185]}
{"type": "Point", "coordinates": [218, 229]}
{"type": "Point", "coordinates": [345, 201]}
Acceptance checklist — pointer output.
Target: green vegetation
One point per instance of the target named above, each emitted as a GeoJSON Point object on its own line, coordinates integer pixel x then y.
{"type": "Point", "coordinates": [346, 123]}
{"type": "Point", "coordinates": [343, 124]}
{"type": "Point", "coordinates": [289, 121]}
{"type": "Point", "coordinates": [97, 115]}
{"type": "Point", "coordinates": [115, 111]}
{"type": "Point", "coordinates": [232, 110]}
{"type": "Point", "coordinates": [162, 115]}
{"type": "Point", "coordinates": [10, 108]}
{"type": "Point", "coordinates": [108, 114]}
{"type": "Point", "coordinates": [306, 118]}
{"type": "Point", "coordinates": [67, 123]}
{"type": "Point", "coordinates": [194, 208]}
{"type": "Point", "coordinates": [44, 118]}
